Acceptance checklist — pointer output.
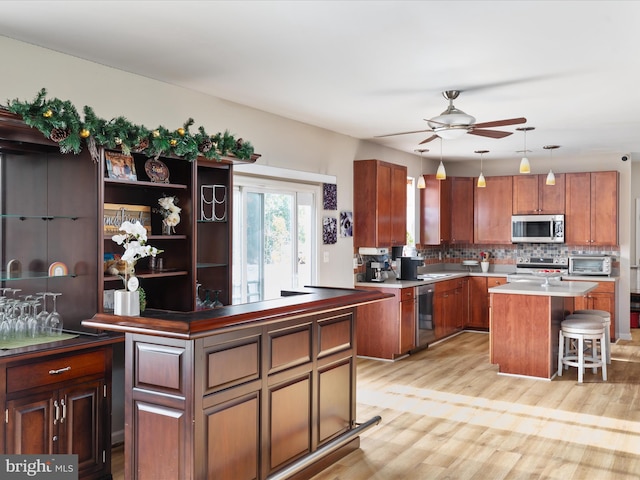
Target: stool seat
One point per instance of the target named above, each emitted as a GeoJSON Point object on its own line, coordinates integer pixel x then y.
{"type": "Point", "coordinates": [581, 328]}
{"type": "Point", "coordinates": [606, 321]}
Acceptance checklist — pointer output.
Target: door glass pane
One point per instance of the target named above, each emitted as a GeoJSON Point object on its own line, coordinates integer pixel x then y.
{"type": "Point", "coordinates": [279, 265]}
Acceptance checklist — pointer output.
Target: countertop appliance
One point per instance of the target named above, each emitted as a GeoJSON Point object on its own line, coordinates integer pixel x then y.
{"type": "Point", "coordinates": [373, 272]}
{"type": "Point", "coordinates": [409, 267]}
{"type": "Point", "coordinates": [425, 333]}
{"type": "Point", "coordinates": [537, 228]}
{"type": "Point", "coordinates": [590, 265]}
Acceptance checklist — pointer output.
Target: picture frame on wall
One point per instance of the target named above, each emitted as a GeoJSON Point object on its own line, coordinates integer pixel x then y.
{"type": "Point", "coordinates": [346, 224]}
{"type": "Point", "coordinates": [329, 230]}
{"type": "Point", "coordinates": [330, 196]}
{"type": "Point", "coordinates": [120, 166]}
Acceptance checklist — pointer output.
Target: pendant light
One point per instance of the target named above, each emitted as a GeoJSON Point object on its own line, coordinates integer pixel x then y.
{"type": "Point", "coordinates": [421, 183]}
{"type": "Point", "coordinates": [441, 174]}
{"type": "Point", "coordinates": [481, 181]}
{"type": "Point", "coordinates": [525, 167]}
{"type": "Point", "coordinates": [551, 178]}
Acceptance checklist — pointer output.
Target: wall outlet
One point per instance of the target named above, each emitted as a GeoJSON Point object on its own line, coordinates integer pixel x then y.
{"type": "Point", "coordinates": [325, 257]}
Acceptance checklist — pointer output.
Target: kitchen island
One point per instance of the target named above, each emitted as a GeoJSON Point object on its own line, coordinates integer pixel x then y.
{"type": "Point", "coordinates": [525, 322]}
{"type": "Point", "coordinates": [243, 391]}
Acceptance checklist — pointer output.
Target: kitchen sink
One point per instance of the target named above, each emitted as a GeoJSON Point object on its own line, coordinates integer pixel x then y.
{"type": "Point", "coordinates": [429, 276]}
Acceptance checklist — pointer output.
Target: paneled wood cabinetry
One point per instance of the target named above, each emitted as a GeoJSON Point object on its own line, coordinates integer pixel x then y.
{"type": "Point", "coordinates": [531, 195]}
{"type": "Point", "coordinates": [60, 404]}
{"type": "Point", "coordinates": [448, 307]}
{"type": "Point", "coordinates": [591, 216]}
{"type": "Point", "coordinates": [479, 299]}
{"type": "Point", "coordinates": [602, 298]}
{"type": "Point", "coordinates": [379, 204]}
{"type": "Point", "coordinates": [446, 211]}
{"type": "Point", "coordinates": [492, 210]}
{"type": "Point", "coordinates": [387, 329]}
{"type": "Point", "coordinates": [242, 403]}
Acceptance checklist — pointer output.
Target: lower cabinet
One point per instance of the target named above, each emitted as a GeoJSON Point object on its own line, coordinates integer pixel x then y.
{"type": "Point", "coordinates": [60, 404]}
{"type": "Point", "coordinates": [387, 329]}
{"type": "Point", "coordinates": [602, 298]}
{"type": "Point", "coordinates": [242, 404]}
{"type": "Point", "coordinates": [479, 300]}
{"type": "Point", "coordinates": [448, 308]}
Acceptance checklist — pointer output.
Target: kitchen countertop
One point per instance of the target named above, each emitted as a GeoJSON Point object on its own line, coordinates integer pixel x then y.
{"type": "Point", "coordinates": [559, 289]}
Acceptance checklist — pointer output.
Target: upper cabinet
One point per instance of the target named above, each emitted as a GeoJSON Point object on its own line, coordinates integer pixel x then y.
{"type": "Point", "coordinates": [532, 196]}
{"type": "Point", "coordinates": [379, 204]}
{"type": "Point", "coordinates": [591, 215]}
{"type": "Point", "coordinates": [446, 211]}
{"type": "Point", "coordinates": [492, 210]}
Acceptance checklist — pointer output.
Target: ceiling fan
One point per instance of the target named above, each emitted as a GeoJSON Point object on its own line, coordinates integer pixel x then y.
{"type": "Point", "coordinates": [453, 123]}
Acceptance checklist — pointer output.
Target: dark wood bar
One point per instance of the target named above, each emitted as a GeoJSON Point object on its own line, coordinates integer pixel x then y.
{"type": "Point", "coordinates": [242, 391]}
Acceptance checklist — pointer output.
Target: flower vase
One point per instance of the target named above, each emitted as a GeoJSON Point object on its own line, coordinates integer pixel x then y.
{"type": "Point", "coordinates": [484, 266]}
{"type": "Point", "coordinates": [126, 303]}
{"type": "Point", "coordinates": [166, 229]}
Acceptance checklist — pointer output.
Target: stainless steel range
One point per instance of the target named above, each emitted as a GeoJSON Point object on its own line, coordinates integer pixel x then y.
{"type": "Point", "coordinates": [526, 266]}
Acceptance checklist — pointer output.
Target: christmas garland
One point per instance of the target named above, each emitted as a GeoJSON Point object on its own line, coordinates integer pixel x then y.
{"type": "Point", "coordinates": [59, 120]}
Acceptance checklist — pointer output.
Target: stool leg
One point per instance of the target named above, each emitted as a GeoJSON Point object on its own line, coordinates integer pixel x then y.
{"type": "Point", "coordinates": [580, 359]}
{"type": "Point", "coordinates": [605, 352]}
{"type": "Point", "coordinates": [594, 354]}
{"type": "Point", "coordinates": [561, 346]}
{"type": "Point", "coordinates": [607, 334]}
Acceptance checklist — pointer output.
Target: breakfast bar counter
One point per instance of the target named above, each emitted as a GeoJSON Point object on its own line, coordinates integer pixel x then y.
{"type": "Point", "coordinates": [524, 323]}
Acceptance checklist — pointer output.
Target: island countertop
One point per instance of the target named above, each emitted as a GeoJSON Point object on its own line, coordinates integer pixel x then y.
{"type": "Point", "coordinates": [186, 325]}
{"type": "Point", "coordinates": [556, 289]}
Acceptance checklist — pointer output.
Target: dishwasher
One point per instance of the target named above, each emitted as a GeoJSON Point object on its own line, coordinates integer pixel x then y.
{"type": "Point", "coordinates": [424, 321]}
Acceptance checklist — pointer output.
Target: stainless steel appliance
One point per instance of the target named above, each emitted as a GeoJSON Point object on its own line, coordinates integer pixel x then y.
{"type": "Point", "coordinates": [424, 322]}
{"type": "Point", "coordinates": [526, 266]}
{"type": "Point", "coordinates": [373, 272]}
{"type": "Point", "coordinates": [590, 265]}
{"type": "Point", "coordinates": [537, 228]}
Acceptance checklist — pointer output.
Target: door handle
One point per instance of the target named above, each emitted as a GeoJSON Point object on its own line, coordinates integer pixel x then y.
{"type": "Point", "coordinates": [57, 412]}
{"type": "Point", "coordinates": [64, 410]}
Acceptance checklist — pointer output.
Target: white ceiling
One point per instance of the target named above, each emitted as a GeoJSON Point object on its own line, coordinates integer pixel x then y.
{"type": "Point", "coordinates": [368, 68]}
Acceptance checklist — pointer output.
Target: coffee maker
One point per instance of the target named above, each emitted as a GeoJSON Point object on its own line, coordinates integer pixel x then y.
{"type": "Point", "coordinates": [373, 272]}
{"type": "Point", "coordinates": [409, 267]}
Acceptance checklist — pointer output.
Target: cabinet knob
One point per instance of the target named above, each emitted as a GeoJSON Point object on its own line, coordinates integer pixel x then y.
{"type": "Point", "coordinates": [55, 438]}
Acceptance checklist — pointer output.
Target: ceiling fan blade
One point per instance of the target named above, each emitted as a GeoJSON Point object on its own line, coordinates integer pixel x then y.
{"type": "Point", "coordinates": [403, 133]}
{"type": "Point", "coordinates": [432, 137]}
{"type": "Point", "coordinates": [501, 123]}
{"type": "Point", "coordinates": [489, 133]}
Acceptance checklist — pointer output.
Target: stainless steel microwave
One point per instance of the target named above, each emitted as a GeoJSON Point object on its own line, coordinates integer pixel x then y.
{"type": "Point", "coordinates": [590, 265]}
{"type": "Point", "coordinates": [537, 228]}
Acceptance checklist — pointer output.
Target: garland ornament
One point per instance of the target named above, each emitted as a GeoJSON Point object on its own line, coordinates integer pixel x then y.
{"type": "Point", "coordinates": [60, 121]}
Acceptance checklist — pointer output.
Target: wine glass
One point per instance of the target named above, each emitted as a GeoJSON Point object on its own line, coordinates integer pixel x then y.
{"type": "Point", "coordinates": [199, 303]}
{"type": "Point", "coordinates": [33, 328]}
{"type": "Point", "coordinates": [54, 320]}
{"type": "Point", "coordinates": [216, 302]}
{"type": "Point", "coordinates": [5, 326]}
{"type": "Point", "coordinates": [20, 325]}
{"type": "Point", "coordinates": [42, 317]}
{"type": "Point", "coordinates": [208, 303]}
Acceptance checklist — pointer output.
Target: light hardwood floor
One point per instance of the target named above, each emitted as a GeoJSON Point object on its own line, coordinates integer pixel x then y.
{"type": "Point", "coordinates": [447, 414]}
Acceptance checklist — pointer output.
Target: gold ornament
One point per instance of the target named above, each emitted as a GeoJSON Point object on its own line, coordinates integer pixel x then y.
{"type": "Point", "coordinates": [84, 133]}
{"type": "Point", "coordinates": [47, 114]}
{"type": "Point", "coordinates": [173, 142]}
{"type": "Point", "coordinates": [156, 133]}
{"type": "Point", "coordinates": [180, 132]}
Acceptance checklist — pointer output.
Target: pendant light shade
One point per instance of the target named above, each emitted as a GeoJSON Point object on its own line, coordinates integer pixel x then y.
{"type": "Point", "coordinates": [421, 182]}
{"type": "Point", "coordinates": [482, 183]}
{"type": "Point", "coordinates": [551, 178]}
{"type": "Point", "coordinates": [441, 173]}
{"type": "Point", "coordinates": [525, 167]}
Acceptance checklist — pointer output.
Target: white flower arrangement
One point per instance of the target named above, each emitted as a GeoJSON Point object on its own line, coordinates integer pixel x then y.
{"type": "Point", "coordinates": [170, 211]}
{"type": "Point", "coordinates": [134, 241]}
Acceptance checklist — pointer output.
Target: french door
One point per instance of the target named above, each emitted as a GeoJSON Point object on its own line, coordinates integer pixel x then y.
{"type": "Point", "coordinates": [273, 238]}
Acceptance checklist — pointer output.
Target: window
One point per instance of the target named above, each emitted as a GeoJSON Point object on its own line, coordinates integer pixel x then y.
{"type": "Point", "coordinates": [273, 237]}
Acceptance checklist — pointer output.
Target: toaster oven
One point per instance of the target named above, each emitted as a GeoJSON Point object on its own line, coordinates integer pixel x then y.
{"type": "Point", "coordinates": [590, 265]}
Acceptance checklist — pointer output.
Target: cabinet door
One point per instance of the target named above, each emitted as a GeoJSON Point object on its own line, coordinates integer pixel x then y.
{"type": "Point", "coordinates": [492, 211]}
{"type": "Point", "coordinates": [464, 301]}
{"type": "Point", "coordinates": [578, 209]}
{"type": "Point", "coordinates": [31, 428]}
{"type": "Point", "coordinates": [551, 197]}
{"type": "Point", "coordinates": [461, 210]}
{"type": "Point", "coordinates": [398, 207]}
{"type": "Point", "coordinates": [81, 425]}
{"type": "Point", "coordinates": [525, 195]}
{"type": "Point", "coordinates": [479, 302]}
{"type": "Point", "coordinates": [435, 211]}
{"type": "Point", "coordinates": [407, 320]}
{"type": "Point", "coordinates": [604, 208]}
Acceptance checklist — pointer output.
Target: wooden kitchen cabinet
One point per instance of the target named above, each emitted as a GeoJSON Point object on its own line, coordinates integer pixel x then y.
{"type": "Point", "coordinates": [379, 204]}
{"type": "Point", "coordinates": [447, 308]}
{"type": "Point", "coordinates": [591, 215]}
{"type": "Point", "coordinates": [387, 329]}
{"type": "Point", "coordinates": [446, 211]}
{"type": "Point", "coordinates": [492, 210]}
{"type": "Point", "coordinates": [532, 196]}
{"type": "Point", "coordinates": [602, 298]}
{"type": "Point", "coordinates": [60, 404]}
{"type": "Point", "coordinates": [479, 300]}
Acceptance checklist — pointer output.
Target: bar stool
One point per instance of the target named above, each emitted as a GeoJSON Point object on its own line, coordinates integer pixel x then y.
{"type": "Point", "coordinates": [606, 321]}
{"type": "Point", "coordinates": [581, 328]}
